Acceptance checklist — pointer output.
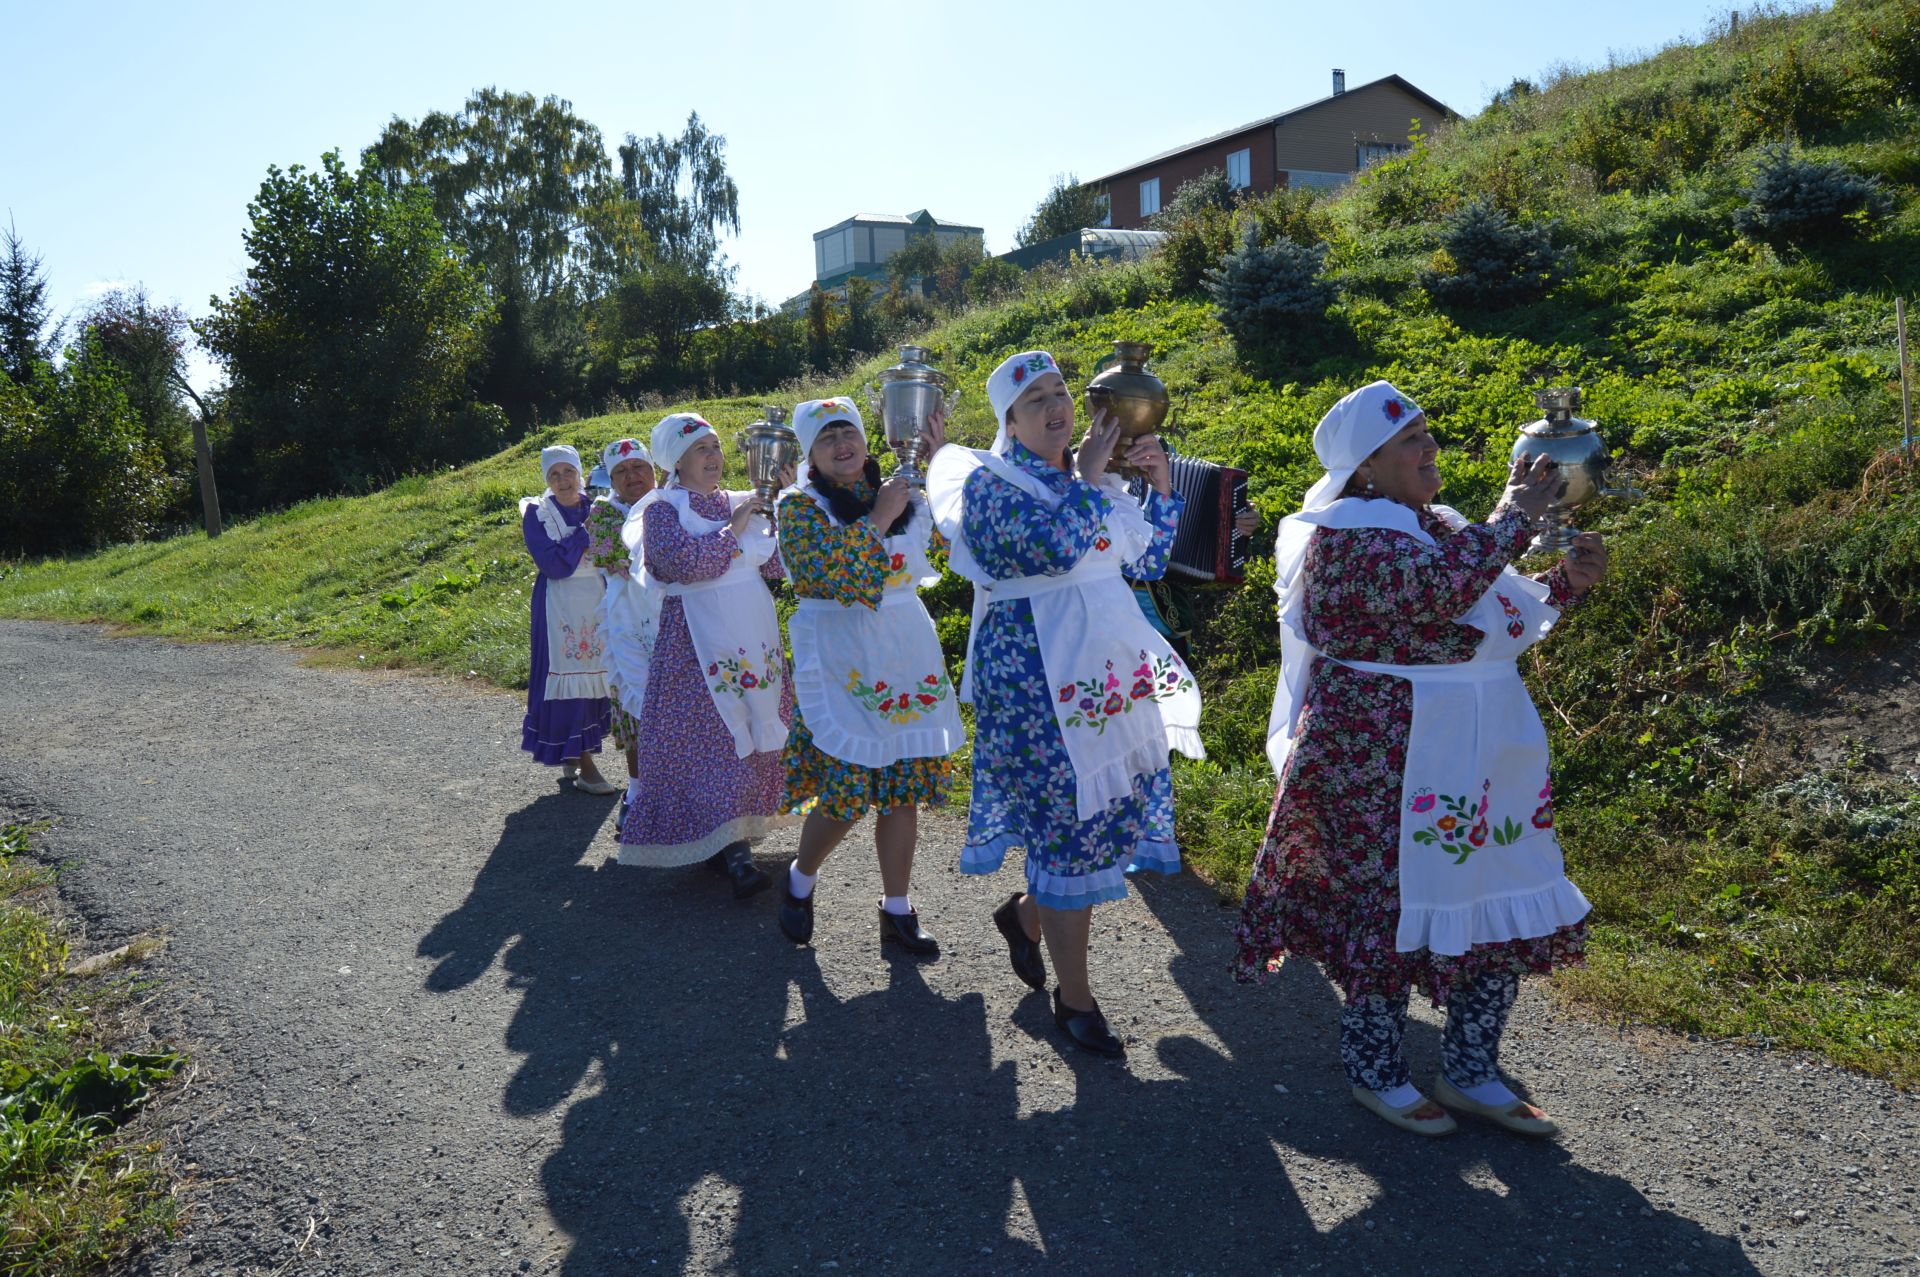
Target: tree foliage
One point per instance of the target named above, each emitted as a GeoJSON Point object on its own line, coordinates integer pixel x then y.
{"type": "Point", "coordinates": [682, 191]}
{"type": "Point", "coordinates": [349, 344]}
{"type": "Point", "coordinates": [1487, 260]}
{"type": "Point", "coordinates": [25, 314]}
{"type": "Point", "coordinates": [1067, 207]}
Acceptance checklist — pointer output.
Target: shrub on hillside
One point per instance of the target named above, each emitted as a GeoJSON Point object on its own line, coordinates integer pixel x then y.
{"type": "Point", "coordinates": [1488, 261]}
{"type": "Point", "coordinates": [1271, 295]}
{"type": "Point", "coordinates": [1787, 94]}
{"type": "Point", "coordinates": [1803, 202]}
{"type": "Point", "coordinates": [1893, 47]}
{"type": "Point", "coordinates": [1198, 222]}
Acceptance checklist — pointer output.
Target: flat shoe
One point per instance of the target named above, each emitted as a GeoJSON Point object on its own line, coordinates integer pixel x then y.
{"type": "Point", "coordinates": [602, 786]}
{"type": "Point", "coordinates": [796, 915]}
{"type": "Point", "coordinates": [904, 930]}
{"type": "Point", "coordinates": [1023, 953]}
{"type": "Point", "coordinates": [1403, 1117]}
{"type": "Point", "coordinates": [1519, 1123]}
{"type": "Point", "coordinates": [1088, 1029]}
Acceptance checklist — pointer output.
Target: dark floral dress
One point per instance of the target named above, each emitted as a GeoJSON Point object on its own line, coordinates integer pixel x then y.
{"type": "Point", "coordinates": [850, 566]}
{"type": "Point", "coordinates": [1326, 884]}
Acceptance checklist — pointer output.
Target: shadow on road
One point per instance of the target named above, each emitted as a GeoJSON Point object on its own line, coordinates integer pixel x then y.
{"type": "Point", "coordinates": [735, 1115]}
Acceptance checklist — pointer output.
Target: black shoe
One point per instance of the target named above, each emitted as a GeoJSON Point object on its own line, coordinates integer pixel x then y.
{"type": "Point", "coordinates": [620, 816]}
{"type": "Point", "coordinates": [736, 861]}
{"type": "Point", "coordinates": [796, 915]}
{"type": "Point", "coordinates": [1022, 952]}
{"type": "Point", "coordinates": [904, 930]}
{"type": "Point", "coordinates": [1088, 1029]}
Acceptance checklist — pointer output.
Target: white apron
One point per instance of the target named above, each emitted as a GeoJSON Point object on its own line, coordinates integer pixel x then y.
{"type": "Point", "coordinates": [1121, 695]}
{"type": "Point", "coordinates": [628, 633]}
{"type": "Point", "coordinates": [1479, 862]}
{"type": "Point", "coordinates": [872, 684]}
{"type": "Point", "coordinates": [730, 619]}
{"type": "Point", "coordinates": [576, 648]}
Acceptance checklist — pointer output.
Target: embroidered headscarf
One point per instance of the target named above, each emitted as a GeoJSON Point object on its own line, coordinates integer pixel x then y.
{"type": "Point", "coordinates": [1350, 433]}
{"type": "Point", "coordinates": [674, 435]}
{"type": "Point", "coordinates": [815, 415]}
{"type": "Point", "coordinates": [1007, 383]}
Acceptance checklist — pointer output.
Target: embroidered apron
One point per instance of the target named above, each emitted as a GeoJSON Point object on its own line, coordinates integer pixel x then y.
{"type": "Point", "coordinates": [872, 683]}
{"type": "Point", "coordinates": [1121, 695]}
{"type": "Point", "coordinates": [576, 649]}
{"type": "Point", "coordinates": [730, 620]}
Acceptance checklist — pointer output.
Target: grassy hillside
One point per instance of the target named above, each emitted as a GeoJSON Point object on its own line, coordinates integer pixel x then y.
{"type": "Point", "coordinates": [1748, 387]}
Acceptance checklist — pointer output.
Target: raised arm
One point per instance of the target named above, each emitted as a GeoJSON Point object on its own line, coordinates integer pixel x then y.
{"type": "Point", "coordinates": [674, 554]}
{"type": "Point", "coordinates": [555, 559]}
{"type": "Point", "coordinates": [1381, 572]}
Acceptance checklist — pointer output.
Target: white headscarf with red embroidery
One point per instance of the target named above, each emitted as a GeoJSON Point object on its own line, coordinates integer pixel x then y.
{"type": "Point", "coordinates": [674, 435]}
{"type": "Point", "coordinates": [1007, 383]}
{"type": "Point", "coordinates": [815, 415]}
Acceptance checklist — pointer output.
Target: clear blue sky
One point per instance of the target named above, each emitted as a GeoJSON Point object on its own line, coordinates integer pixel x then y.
{"type": "Point", "coordinates": [136, 133]}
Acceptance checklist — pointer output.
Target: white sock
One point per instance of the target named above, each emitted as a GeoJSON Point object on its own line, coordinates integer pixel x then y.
{"type": "Point", "coordinates": [899, 906]}
{"type": "Point", "coordinates": [633, 790]}
{"type": "Point", "coordinates": [1400, 1096]}
{"type": "Point", "coordinates": [801, 885]}
{"type": "Point", "coordinates": [1495, 1093]}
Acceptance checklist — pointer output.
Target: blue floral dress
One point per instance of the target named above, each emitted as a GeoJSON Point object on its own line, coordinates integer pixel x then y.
{"type": "Point", "coordinates": [1024, 791]}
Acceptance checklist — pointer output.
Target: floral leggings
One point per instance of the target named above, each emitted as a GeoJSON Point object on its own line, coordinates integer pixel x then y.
{"type": "Point", "coordinates": [1371, 1028]}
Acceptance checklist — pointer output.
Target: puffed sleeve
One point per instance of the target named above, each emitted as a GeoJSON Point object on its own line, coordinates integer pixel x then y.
{"type": "Point", "coordinates": [555, 559]}
{"type": "Point", "coordinates": [826, 560]}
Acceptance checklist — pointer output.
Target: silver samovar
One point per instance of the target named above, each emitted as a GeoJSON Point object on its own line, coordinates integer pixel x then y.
{"type": "Point", "coordinates": [906, 397]}
{"type": "Point", "coordinates": [772, 448]}
{"type": "Point", "coordinates": [1575, 443]}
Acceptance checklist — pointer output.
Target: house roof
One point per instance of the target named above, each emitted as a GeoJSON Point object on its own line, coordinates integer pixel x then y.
{"type": "Point", "coordinates": [918, 218]}
{"type": "Point", "coordinates": [1271, 120]}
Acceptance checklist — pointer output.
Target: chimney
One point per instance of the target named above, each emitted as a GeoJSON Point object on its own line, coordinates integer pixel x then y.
{"type": "Point", "coordinates": [1339, 82]}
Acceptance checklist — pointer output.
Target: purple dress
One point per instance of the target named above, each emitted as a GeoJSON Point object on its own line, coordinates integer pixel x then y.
{"type": "Point", "coordinates": [696, 794]}
{"type": "Point", "coordinates": [557, 731]}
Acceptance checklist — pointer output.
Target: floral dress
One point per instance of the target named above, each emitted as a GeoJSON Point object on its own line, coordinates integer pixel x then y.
{"type": "Point", "coordinates": [1024, 791]}
{"type": "Point", "coordinates": [848, 565]}
{"type": "Point", "coordinates": [1326, 883]}
{"type": "Point", "coordinates": [696, 795]}
{"type": "Point", "coordinates": [608, 552]}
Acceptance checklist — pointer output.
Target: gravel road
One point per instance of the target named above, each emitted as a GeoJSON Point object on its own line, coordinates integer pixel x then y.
{"type": "Point", "coordinates": [439, 1031]}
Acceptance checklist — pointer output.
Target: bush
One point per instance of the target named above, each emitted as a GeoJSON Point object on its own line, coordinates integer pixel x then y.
{"type": "Point", "coordinates": [1270, 295]}
{"type": "Point", "coordinates": [1198, 221]}
{"type": "Point", "coordinates": [1797, 201]}
{"type": "Point", "coordinates": [1893, 47]}
{"type": "Point", "coordinates": [1488, 261]}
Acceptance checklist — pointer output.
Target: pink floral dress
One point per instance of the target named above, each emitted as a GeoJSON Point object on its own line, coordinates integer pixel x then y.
{"type": "Point", "coordinates": [1326, 883]}
{"type": "Point", "coordinates": [696, 795]}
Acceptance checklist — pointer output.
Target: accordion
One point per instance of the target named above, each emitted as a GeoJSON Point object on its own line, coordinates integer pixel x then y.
{"type": "Point", "coordinates": [1206, 548]}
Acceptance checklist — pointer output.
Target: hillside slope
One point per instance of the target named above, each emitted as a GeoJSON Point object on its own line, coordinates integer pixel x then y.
{"type": "Point", "coordinates": [1741, 886]}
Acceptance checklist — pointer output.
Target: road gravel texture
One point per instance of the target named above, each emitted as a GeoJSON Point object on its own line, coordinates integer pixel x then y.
{"type": "Point", "coordinates": [438, 1030]}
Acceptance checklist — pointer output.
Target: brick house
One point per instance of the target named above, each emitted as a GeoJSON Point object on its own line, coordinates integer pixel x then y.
{"type": "Point", "coordinates": [1323, 143]}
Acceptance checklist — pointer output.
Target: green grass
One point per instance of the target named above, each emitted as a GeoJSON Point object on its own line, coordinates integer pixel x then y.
{"type": "Point", "coordinates": [1751, 391]}
{"type": "Point", "coordinates": [76, 1190]}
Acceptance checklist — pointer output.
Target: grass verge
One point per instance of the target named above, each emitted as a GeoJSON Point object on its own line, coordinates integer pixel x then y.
{"type": "Point", "coordinates": [78, 1186]}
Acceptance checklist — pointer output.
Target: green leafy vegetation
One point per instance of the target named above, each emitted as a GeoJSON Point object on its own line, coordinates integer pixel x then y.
{"type": "Point", "coordinates": [76, 1190]}
{"type": "Point", "coordinates": [1746, 382]}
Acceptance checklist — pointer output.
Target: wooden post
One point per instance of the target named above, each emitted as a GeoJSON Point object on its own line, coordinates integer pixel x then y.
{"type": "Point", "coordinates": [1906, 372]}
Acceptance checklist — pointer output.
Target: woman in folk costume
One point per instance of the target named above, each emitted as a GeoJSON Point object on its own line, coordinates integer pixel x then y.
{"type": "Point", "coordinates": [628, 471]}
{"type": "Point", "coordinates": [717, 703]}
{"type": "Point", "coordinates": [875, 717]}
{"type": "Point", "coordinates": [567, 711]}
{"type": "Point", "coordinates": [1076, 698]}
{"type": "Point", "coordinates": [1411, 843]}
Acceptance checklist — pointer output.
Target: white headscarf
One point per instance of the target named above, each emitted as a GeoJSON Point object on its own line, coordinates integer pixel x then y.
{"type": "Point", "coordinates": [1007, 383]}
{"type": "Point", "coordinates": [674, 435]}
{"type": "Point", "coordinates": [553, 456]}
{"type": "Point", "coordinates": [1352, 431]}
{"type": "Point", "coordinates": [815, 415]}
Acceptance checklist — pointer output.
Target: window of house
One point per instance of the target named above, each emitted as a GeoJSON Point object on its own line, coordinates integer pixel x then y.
{"type": "Point", "coordinates": [1240, 170]}
{"type": "Point", "coordinates": [1371, 153]}
{"type": "Point", "coordinates": [1150, 197]}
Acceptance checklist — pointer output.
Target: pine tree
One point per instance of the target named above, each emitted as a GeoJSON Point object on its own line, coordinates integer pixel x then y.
{"type": "Point", "coordinates": [1271, 295]}
{"type": "Point", "coordinates": [1496, 261]}
{"type": "Point", "coordinates": [24, 311]}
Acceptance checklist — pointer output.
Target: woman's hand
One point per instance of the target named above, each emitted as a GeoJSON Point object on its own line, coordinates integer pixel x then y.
{"type": "Point", "coordinates": [1146, 455]}
{"type": "Point", "coordinates": [1247, 522]}
{"type": "Point", "coordinates": [1532, 488]}
{"type": "Point", "coordinates": [1586, 563]}
{"type": "Point", "coordinates": [935, 435]}
{"type": "Point", "coordinates": [788, 475]}
{"type": "Point", "coordinates": [744, 513]}
{"type": "Point", "coordinates": [889, 503]}
{"type": "Point", "coordinates": [1091, 457]}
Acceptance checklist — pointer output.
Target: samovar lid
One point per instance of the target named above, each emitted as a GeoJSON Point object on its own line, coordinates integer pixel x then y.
{"type": "Point", "coordinates": [913, 366]}
{"type": "Point", "coordinates": [1559, 403]}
